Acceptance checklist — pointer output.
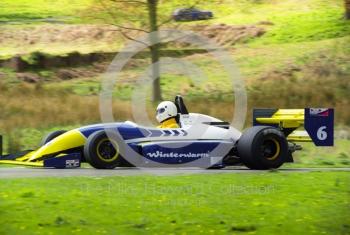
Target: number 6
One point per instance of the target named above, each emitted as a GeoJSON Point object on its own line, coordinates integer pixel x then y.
{"type": "Point", "coordinates": [321, 133]}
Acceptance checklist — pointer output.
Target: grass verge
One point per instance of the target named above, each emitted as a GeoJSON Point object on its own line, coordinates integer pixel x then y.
{"type": "Point", "coordinates": [261, 203]}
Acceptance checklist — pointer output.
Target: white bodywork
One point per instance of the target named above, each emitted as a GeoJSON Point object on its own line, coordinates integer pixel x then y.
{"type": "Point", "coordinates": [195, 123]}
{"type": "Point", "coordinates": [193, 127]}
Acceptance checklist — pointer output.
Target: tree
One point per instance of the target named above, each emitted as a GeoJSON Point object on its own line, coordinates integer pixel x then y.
{"type": "Point", "coordinates": [141, 16]}
{"type": "Point", "coordinates": [347, 9]}
{"type": "Point", "coordinates": [154, 49]}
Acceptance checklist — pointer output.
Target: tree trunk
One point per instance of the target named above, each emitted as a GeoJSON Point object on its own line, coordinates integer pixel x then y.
{"type": "Point", "coordinates": [347, 9]}
{"type": "Point", "coordinates": [152, 11]}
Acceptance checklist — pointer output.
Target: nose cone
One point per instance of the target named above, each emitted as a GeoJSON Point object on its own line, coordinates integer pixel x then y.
{"type": "Point", "coordinates": [69, 140]}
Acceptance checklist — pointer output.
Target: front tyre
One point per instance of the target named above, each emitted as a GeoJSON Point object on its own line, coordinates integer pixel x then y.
{"type": "Point", "coordinates": [102, 152]}
{"type": "Point", "coordinates": [263, 147]}
{"type": "Point", "coordinates": [51, 136]}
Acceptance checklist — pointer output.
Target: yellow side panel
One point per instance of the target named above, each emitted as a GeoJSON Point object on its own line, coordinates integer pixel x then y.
{"type": "Point", "coordinates": [68, 140]}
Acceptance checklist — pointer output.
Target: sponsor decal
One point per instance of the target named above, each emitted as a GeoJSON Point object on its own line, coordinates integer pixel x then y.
{"type": "Point", "coordinates": [72, 163]}
{"type": "Point", "coordinates": [319, 112]}
{"type": "Point", "coordinates": [159, 154]}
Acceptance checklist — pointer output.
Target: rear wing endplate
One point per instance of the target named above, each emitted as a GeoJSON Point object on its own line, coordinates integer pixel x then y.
{"type": "Point", "coordinates": [318, 123]}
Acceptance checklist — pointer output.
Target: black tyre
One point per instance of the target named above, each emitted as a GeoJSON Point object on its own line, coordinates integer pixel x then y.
{"type": "Point", "coordinates": [216, 167]}
{"type": "Point", "coordinates": [101, 152]}
{"type": "Point", "coordinates": [263, 147]}
{"type": "Point", "coordinates": [51, 136]}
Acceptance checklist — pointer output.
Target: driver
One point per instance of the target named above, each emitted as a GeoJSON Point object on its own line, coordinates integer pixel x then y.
{"type": "Point", "coordinates": [166, 115]}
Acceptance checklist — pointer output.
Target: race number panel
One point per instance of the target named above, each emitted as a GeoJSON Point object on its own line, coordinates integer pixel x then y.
{"type": "Point", "coordinates": [319, 124]}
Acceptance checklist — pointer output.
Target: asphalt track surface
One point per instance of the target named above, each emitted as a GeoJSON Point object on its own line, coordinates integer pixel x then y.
{"type": "Point", "coordinates": [25, 172]}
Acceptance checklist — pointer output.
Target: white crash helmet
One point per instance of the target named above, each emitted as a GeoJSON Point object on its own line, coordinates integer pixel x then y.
{"type": "Point", "coordinates": [166, 110]}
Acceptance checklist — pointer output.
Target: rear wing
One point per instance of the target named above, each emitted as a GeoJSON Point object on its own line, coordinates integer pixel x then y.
{"type": "Point", "coordinates": [318, 123]}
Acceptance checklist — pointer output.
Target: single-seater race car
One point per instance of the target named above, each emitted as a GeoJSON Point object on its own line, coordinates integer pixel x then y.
{"type": "Point", "coordinates": [201, 141]}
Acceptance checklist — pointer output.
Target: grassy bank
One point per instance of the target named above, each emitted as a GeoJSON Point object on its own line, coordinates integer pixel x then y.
{"type": "Point", "coordinates": [260, 203]}
{"type": "Point", "coordinates": [310, 76]}
{"type": "Point", "coordinates": [287, 22]}
{"type": "Point", "coordinates": [36, 10]}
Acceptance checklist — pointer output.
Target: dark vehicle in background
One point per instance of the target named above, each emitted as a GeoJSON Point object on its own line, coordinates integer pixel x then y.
{"type": "Point", "coordinates": [190, 14]}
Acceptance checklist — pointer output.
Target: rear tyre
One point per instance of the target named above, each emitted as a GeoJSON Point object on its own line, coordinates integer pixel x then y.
{"type": "Point", "coordinates": [102, 152]}
{"type": "Point", "coordinates": [51, 136]}
{"type": "Point", "coordinates": [263, 147]}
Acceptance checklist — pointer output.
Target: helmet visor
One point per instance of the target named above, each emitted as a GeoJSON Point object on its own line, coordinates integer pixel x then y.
{"type": "Point", "coordinates": [160, 110]}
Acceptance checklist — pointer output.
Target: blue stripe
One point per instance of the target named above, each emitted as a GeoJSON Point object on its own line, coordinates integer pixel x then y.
{"type": "Point", "coordinates": [125, 130]}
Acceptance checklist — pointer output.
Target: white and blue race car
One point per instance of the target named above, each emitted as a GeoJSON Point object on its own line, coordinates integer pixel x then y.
{"type": "Point", "coordinates": [201, 141]}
